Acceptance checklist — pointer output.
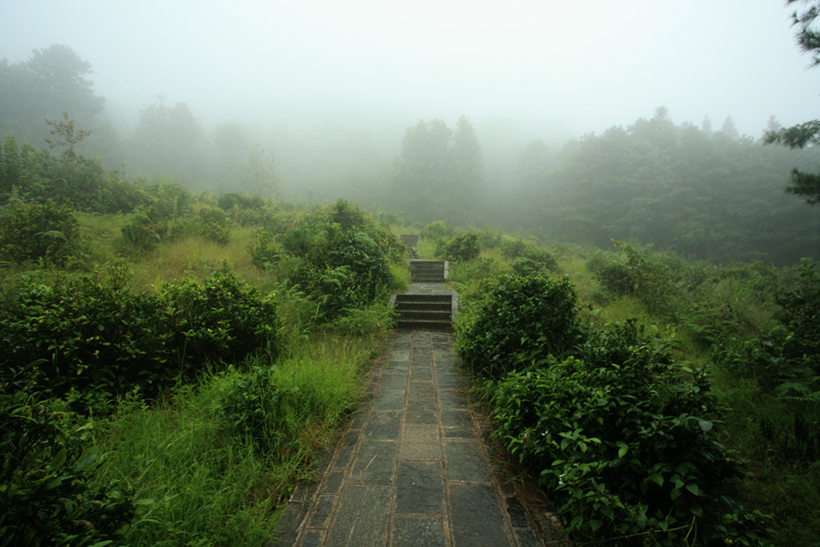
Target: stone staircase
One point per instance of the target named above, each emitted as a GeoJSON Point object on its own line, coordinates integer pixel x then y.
{"type": "Point", "coordinates": [427, 306]}
{"type": "Point", "coordinates": [429, 271]}
{"type": "Point", "coordinates": [424, 311]}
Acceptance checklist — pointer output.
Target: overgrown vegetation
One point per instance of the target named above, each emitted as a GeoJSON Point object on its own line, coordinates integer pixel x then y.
{"type": "Point", "coordinates": [693, 429]}
{"type": "Point", "coordinates": [156, 387]}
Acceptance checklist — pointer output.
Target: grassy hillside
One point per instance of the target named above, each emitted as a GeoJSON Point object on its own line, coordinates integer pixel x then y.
{"type": "Point", "coordinates": [177, 424]}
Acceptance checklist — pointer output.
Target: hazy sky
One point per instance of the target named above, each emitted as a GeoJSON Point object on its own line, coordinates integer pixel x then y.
{"type": "Point", "coordinates": [580, 66]}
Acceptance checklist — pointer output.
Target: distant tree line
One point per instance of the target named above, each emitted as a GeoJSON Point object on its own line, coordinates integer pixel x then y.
{"type": "Point", "coordinates": [712, 195]}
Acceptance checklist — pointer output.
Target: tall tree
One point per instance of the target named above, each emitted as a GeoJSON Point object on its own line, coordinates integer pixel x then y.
{"type": "Point", "coordinates": [465, 184]}
{"type": "Point", "coordinates": [169, 140]}
{"type": "Point", "coordinates": [805, 134]}
{"type": "Point", "coordinates": [54, 80]}
{"type": "Point", "coordinates": [423, 169]}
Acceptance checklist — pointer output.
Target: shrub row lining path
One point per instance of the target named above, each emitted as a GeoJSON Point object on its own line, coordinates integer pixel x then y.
{"type": "Point", "coordinates": [412, 466]}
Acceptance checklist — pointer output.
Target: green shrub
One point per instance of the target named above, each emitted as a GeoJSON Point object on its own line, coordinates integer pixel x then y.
{"type": "Point", "coordinates": [350, 273]}
{"type": "Point", "coordinates": [800, 316]}
{"type": "Point", "coordinates": [96, 337]}
{"type": "Point", "coordinates": [518, 249]}
{"type": "Point", "coordinates": [214, 225]}
{"type": "Point", "coordinates": [628, 450]}
{"type": "Point", "coordinates": [17, 168]}
{"type": "Point", "coordinates": [522, 319]}
{"type": "Point", "coordinates": [219, 318]}
{"type": "Point", "coordinates": [86, 334]}
{"type": "Point", "coordinates": [46, 497]}
{"type": "Point", "coordinates": [462, 248]}
{"type": "Point", "coordinates": [256, 409]}
{"type": "Point", "coordinates": [232, 200]}
{"type": "Point", "coordinates": [436, 231]}
{"type": "Point", "coordinates": [144, 229]}
{"type": "Point", "coordinates": [265, 250]}
{"type": "Point", "coordinates": [32, 231]}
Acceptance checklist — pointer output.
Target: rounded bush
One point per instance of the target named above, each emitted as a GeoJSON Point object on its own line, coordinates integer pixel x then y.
{"type": "Point", "coordinates": [523, 319]}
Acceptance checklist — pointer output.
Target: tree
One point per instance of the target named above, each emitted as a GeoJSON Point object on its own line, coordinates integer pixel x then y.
{"type": "Point", "coordinates": [423, 168]}
{"type": "Point", "coordinates": [167, 140]}
{"type": "Point", "coordinates": [807, 133]}
{"type": "Point", "coordinates": [257, 173]}
{"type": "Point", "coordinates": [54, 80]}
{"type": "Point", "coordinates": [467, 171]}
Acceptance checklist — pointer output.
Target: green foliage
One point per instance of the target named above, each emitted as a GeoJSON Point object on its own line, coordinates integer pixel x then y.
{"type": "Point", "coordinates": [47, 495]}
{"type": "Point", "coordinates": [32, 231]}
{"type": "Point", "coordinates": [145, 228]}
{"type": "Point", "coordinates": [94, 336]}
{"type": "Point", "coordinates": [521, 319]}
{"type": "Point", "coordinates": [87, 334]}
{"type": "Point", "coordinates": [220, 318]}
{"type": "Point", "coordinates": [535, 256]}
{"type": "Point", "coordinates": [436, 231]}
{"type": "Point", "coordinates": [627, 449]}
{"type": "Point", "coordinates": [244, 209]}
{"type": "Point", "coordinates": [256, 409]}
{"type": "Point", "coordinates": [215, 225]}
{"type": "Point", "coordinates": [338, 256]}
{"type": "Point", "coordinates": [350, 273]}
{"type": "Point", "coordinates": [680, 188]}
{"type": "Point", "coordinates": [462, 248]}
{"type": "Point", "coordinates": [17, 167]}
{"type": "Point", "coordinates": [800, 316]}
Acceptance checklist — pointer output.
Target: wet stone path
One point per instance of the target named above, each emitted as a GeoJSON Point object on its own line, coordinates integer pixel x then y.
{"type": "Point", "coordinates": [412, 467]}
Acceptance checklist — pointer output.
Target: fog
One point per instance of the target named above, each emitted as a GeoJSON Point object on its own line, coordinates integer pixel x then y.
{"type": "Point", "coordinates": [324, 77]}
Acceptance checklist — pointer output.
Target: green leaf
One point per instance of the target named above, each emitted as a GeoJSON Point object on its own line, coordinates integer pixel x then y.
{"type": "Point", "coordinates": [622, 449]}
{"type": "Point", "coordinates": [692, 487]}
{"type": "Point", "coordinates": [705, 425]}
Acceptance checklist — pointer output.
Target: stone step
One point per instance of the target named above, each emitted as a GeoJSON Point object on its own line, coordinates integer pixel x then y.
{"type": "Point", "coordinates": [426, 314]}
{"type": "Point", "coordinates": [424, 311]}
{"type": "Point", "coordinates": [428, 271]}
{"type": "Point", "coordinates": [411, 297]}
{"type": "Point", "coordinates": [445, 307]}
{"type": "Point", "coordinates": [423, 324]}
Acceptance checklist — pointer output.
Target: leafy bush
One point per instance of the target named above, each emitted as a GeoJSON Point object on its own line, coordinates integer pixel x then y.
{"type": "Point", "coordinates": [17, 167]}
{"type": "Point", "coordinates": [106, 337]}
{"type": "Point", "coordinates": [214, 225]}
{"type": "Point", "coordinates": [436, 231]}
{"type": "Point", "coordinates": [351, 273]}
{"type": "Point", "coordinates": [265, 250]}
{"type": "Point", "coordinates": [518, 249]}
{"type": "Point", "coordinates": [462, 248]}
{"type": "Point", "coordinates": [522, 319]}
{"type": "Point", "coordinates": [87, 334]}
{"type": "Point", "coordinates": [46, 497]}
{"type": "Point", "coordinates": [627, 449]}
{"type": "Point", "coordinates": [145, 228]}
{"type": "Point", "coordinates": [232, 200]}
{"type": "Point", "coordinates": [800, 316]}
{"type": "Point", "coordinates": [219, 318]}
{"type": "Point", "coordinates": [636, 272]}
{"type": "Point", "coordinates": [35, 231]}
{"type": "Point", "coordinates": [256, 409]}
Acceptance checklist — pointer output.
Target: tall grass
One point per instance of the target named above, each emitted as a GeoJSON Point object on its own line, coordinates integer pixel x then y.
{"type": "Point", "coordinates": [202, 484]}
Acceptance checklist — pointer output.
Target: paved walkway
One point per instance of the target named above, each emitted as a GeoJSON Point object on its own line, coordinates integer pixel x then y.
{"type": "Point", "coordinates": [412, 468]}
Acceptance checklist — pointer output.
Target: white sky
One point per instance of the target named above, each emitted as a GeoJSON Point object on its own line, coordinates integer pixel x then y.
{"type": "Point", "coordinates": [584, 66]}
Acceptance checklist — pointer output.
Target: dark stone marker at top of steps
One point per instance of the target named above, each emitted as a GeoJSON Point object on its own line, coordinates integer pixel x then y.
{"type": "Point", "coordinates": [409, 239]}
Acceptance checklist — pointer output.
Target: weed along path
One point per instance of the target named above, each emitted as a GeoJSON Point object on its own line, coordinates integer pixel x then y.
{"type": "Point", "coordinates": [412, 467]}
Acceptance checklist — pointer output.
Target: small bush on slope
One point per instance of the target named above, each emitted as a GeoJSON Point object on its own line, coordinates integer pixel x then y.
{"type": "Point", "coordinates": [522, 319]}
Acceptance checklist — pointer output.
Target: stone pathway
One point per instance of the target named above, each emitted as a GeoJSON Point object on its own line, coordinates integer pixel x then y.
{"type": "Point", "coordinates": [412, 467]}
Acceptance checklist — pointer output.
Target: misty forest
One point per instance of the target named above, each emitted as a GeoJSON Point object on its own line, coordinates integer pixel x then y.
{"type": "Point", "coordinates": [188, 309]}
